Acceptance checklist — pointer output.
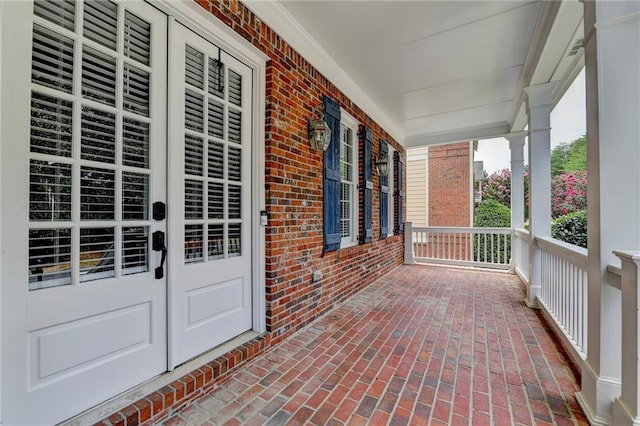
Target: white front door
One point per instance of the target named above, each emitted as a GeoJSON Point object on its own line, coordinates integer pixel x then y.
{"type": "Point", "coordinates": [83, 150]}
{"type": "Point", "coordinates": [209, 195]}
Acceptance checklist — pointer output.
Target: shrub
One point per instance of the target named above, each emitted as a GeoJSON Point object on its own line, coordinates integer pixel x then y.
{"type": "Point", "coordinates": [571, 228]}
{"type": "Point", "coordinates": [491, 213]}
{"type": "Point", "coordinates": [568, 193]}
{"type": "Point", "coordinates": [486, 247]}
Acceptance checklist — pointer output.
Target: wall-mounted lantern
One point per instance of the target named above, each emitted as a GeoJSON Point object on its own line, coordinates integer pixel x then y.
{"type": "Point", "coordinates": [319, 131]}
{"type": "Point", "coordinates": [382, 164]}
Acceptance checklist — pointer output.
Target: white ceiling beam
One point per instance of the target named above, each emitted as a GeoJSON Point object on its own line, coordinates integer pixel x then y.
{"type": "Point", "coordinates": [493, 130]}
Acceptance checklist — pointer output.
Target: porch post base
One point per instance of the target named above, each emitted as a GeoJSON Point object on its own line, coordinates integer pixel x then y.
{"type": "Point", "coordinates": [409, 255]}
{"type": "Point", "coordinates": [622, 415]}
{"type": "Point", "coordinates": [597, 396]}
{"type": "Point", "coordinates": [532, 297]}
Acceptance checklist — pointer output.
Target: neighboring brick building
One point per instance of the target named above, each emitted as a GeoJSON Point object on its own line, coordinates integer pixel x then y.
{"type": "Point", "coordinates": [440, 185]}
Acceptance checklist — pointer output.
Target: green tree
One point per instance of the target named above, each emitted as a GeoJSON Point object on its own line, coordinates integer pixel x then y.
{"type": "Point", "coordinates": [569, 157]}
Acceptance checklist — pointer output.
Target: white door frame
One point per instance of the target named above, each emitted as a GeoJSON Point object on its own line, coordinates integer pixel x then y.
{"type": "Point", "coordinates": [207, 26]}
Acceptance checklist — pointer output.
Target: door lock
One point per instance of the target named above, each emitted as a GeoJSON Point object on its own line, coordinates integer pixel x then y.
{"type": "Point", "coordinates": [159, 210]}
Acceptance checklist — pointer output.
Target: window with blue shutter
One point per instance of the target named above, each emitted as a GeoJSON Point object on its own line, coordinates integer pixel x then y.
{"type": "Point", "coordinates": [367, 185]}
{"type": "Point", "coordinates": [331, 178]}
{"type": "Point", "coordinates": [398, 166]}
{"type": "Point", "coordinates": [384, 195]}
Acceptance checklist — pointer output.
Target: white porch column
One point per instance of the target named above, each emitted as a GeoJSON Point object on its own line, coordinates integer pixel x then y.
{"type": "Point", "coordinates": [626, 408]}
{"type": "Point", "coordinates": [516, 145]}
{"type": "Point", "coordinates": [539, 103]}
{"type": "Point", "coordinates": [612, 33]}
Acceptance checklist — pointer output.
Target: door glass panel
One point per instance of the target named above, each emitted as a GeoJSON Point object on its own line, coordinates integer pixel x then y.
{"type": "Point", "coordinates": [135, 250]}
{"type": "Point", "coordinates": [98, 136]}
{"type": "Point", "coordinates": [193, 155]}
{"type": "Point", "coordinates": [51, 125]}
{"type": "Point", "coordinates": [234, 164]}
{"type": "Point", "coordinates": [97, 194]}
{"type": "Point", "coordinates": [101, 22]}
{"type": "Point", "coordinates": [193, 243]}
{"type": "Point", "coordinates": [216, 200]}
{"type": "Point", "coordinates": [96, 253]}
{"type": "Point", "coordinates": [78, 178]}
{"type": "Point", "coordinates": [98, 76]}
{"type": "Point", "coordinates": [216, 242]}
{"type": "Point", "coordinates": [235, 196]}
{"type": "Point", "coordinates": [235, 88]}
{"type": "Point", "coordinates": [194, 116]}
{"type": "Point", "coordinates": [137, 39]}
{"type": "Point", "coordinates": [193, 199]}
{"type": "Point", "coordinates": [135, 141]}
{"type": "Point", "coordinates": [216, 160]}
{"type": "Point", "coordinates": [194, 67]}
{"type": "Point", "coordinates": [135, 196]}
{"type": "Point", "coordinates": [235, 126]}
{"type": "Point", "coordinates": [52, 59]}
{"type": "Point", "coordinates": [235, 239]}
{"type": "Point", "coordinates": [49, 258]}
{"type": "Point", "coordinates": [59, 12]}
{"type": "Point", "coordinates": [216, 119]}
{"type": "Point", "coordinates": [136, 90]}
{"type": "Point", "coordinates": [49, 191]}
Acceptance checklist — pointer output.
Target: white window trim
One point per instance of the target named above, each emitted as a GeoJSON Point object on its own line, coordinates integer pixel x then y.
{"type": "Point", "coordinates": [391, 197]}
{"type": "Point", "coordinates": [350, 122]}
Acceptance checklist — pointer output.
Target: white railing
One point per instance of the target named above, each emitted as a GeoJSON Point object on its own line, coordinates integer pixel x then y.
{"type": "Point", "coordinates": [483, 247]}
{"type": "Point", "coordinates": [521, 254]}
{"type": "Point", "coordinates": [563, 290]}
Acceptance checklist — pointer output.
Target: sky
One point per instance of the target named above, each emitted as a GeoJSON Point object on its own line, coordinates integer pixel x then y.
{"type": "Point", "coordinates": [568, 122]}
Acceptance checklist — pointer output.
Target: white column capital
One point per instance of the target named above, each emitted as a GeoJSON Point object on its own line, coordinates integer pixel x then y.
{"type": "Point", "coordinates": [516, 140]}
{"type": "Point", "coordinates": [541, 94]}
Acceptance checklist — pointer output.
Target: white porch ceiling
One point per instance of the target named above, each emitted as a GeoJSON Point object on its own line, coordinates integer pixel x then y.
{"type": "Point", "coordinates": [430, 71]}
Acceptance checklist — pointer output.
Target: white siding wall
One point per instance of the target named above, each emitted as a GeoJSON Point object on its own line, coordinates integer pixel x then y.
{"type": "Point", "coordinates": [418, 186]}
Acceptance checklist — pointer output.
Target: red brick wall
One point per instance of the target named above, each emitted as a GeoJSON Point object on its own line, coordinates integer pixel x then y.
{"type": "Point", "coordinates": [450, 185]}
{"type": "Point", "coordinates": [294, 196]}
{"type": "Point", "coordinates": [294, 200]}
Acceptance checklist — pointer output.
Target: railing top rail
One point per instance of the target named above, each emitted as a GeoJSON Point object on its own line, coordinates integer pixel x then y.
{"type": "Point", "coordinates": [569, 252]}
{"type": "Point", "coordinates": [521, 233]}
{"type": "Point", "coordinates": [461, 230]}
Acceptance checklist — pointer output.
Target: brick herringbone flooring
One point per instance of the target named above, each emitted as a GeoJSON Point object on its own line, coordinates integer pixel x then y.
{"type": "Point", "coordinates": [422, 345]}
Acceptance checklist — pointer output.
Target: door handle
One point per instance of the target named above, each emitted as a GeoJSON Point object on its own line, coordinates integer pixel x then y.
{"type": "Point", "coordinates": [159, 245]}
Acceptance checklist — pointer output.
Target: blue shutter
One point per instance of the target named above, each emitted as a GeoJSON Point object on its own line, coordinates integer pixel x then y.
{"type": "Point", "coordinates": [367, 185]}
{"type": "Point", "coordinates": [399, 171]}
{"type": "Point", "coordinates": [331, 175]}
{"type": "Point", "coordinates": [384, 196]}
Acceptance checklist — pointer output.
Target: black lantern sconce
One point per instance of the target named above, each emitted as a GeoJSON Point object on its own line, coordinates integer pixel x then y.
{"type": "Point", "coordinates": [382, 164]}
{"type": "Point", "coordinates": [319, 131]}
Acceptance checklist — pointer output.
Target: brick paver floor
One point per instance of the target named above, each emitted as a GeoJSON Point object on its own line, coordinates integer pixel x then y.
{"type": "Point", "coordinates": [422, 345]}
